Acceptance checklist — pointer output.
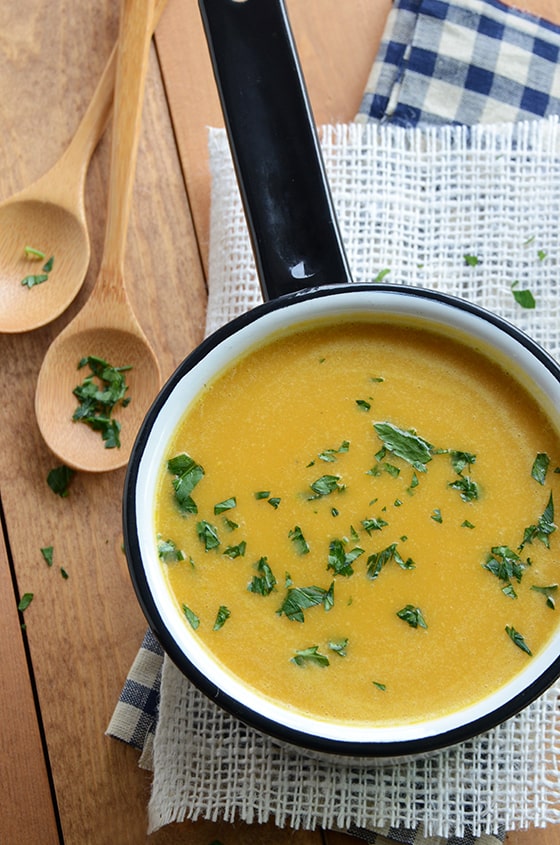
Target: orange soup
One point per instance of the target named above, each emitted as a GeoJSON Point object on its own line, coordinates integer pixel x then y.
{"type": "Point", "coordinates": [357, 520]}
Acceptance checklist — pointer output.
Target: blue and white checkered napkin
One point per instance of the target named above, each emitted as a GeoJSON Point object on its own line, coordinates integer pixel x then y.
{"type": "Point", "coordinates": [459, 62]}
{"type": "Point", "coordinates": [466, 62]}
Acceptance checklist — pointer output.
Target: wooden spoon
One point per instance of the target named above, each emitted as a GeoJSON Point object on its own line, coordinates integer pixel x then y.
{"type": "Point", "coordinates": [49, 215]}
{"type": "Point", "coordinates": [106, 327]}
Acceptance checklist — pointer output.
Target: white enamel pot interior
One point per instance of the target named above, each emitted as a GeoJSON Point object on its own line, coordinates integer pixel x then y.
{"type": "Point", "coordinates": [304, 276]}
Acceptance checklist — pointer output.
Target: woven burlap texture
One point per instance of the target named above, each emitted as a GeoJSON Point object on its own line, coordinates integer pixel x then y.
{"type": "Point", "coordinates": [415, 203]}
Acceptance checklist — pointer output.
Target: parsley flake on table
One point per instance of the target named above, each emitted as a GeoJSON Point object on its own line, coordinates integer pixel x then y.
{"type": "Point", "coordinates": [25, 601]}
{"type": "Point", "coordinates": [47, 552]}
{"type": "Point", "coordinates": [98, 395]}
{"type": "Point", "coordinates": [59, 480]}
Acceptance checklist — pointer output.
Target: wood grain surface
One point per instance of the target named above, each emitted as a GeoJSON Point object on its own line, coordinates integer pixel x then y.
{"type": "Point", "coordinates": [63, 780]}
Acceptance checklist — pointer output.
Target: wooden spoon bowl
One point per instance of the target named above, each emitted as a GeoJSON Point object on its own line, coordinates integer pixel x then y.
{"type": "Point", "coordinates": [82, 448]}
{"type": "Point", "coordinates": [62, 234]}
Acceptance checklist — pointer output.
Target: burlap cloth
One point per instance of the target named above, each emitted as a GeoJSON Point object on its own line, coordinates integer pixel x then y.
{"type": "Point", "coordinates": [414, 202]}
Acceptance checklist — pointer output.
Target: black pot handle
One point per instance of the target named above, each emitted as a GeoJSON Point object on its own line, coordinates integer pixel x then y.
{"type": "Point", "coordinates": [277, 158]}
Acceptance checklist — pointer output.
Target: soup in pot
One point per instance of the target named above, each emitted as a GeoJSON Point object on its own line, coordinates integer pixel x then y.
{"type": "Point", "coordinates": [357, 520]}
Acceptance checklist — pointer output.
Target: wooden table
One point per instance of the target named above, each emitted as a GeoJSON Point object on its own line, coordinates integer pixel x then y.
{"type": "Point", "coordinates": [62, 779]}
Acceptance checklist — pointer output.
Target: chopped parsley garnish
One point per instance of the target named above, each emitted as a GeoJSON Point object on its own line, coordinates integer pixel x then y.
{"type": "Point", "coordinates": [466, 487]}
{"type": "Point", "coordinates": [363, 404]}
{"type": "Point", "coordinates": [300, 543]}
{"type": "Point", "coordinates": [340, 561]}
{"type": "Point", "coordinates": [59, 480]}
{"type": "Point", "coordinates": [505, 564]}
{"type": "Point", "coordinates": [413, 616]}
{"type": "Point", "coordinates": [226, 505]}
{"type": "Point", "coordinates": [191, 617]}
{"type": "Point", "coordinates": [524, 297]}
{"type": "Point", "coordinates": [230, 524]}
{"type": "Point", "coordinates": [543, 529]}
{"type": "Point", "coordinates": [34, 254]}
{"type": "Point", "coordinates": [207, 534]}
{"type": "Point", "coordinates": [222, 616]}
{"type": "Point", "coordinates": [262, 494]}
{"type": "Point", "coordinates": [325, 485]}
{"type": "Point", "coordinates": [264, 583]}
{"type": "Point", "coordinates": [37, 255]}
{"type": "Point", "coordinates": [38, 279]}
{"type": "Point", "coordinates": [460, 460]}
{"type": "Point", "coordinates": [339, 646]}
{"type": "Point", "coordinates": [329, 455]}
{"type": "Point", "coordinates": [509, 591]}
{"type": "Point", "coordinates": [378, 560]}
{"type": "Point", "coordinates": [374, 524]}
{"type": "Point", "coordinates": [64, 573]}
{"type": "Point", "coordinates": [379, 685]}
{"type": "Point", "coordinates": [47, 552]}
{"type": "Point", "coordinates": [310, 655]}
{"type": "Point", "coordinates": [274, 501]}
{"type": "Point", "coordinates": [98, 395]}
{"type": "Point", "coordinates": [466, 524]}
{"type": "Point", "coordinates": [236, 551]}
{"type": "Point", "coordinates": [540, 467]}
{"type": "Point", "coordinates": [518, 639]}
{"type": "Point", "coordinates": [436, 515]}
{"type": "Point", "coordinates": [299, 599]}
{"type": "Point", "coordinates": [405, 444]}
{"type": "Point", "coordinates": [25, 601]}
{"type": "Point", "coordinates": [549, 592]}
{"type": "Point", "coordinates": [168, 552]}
{"type": "Point", "coordinates": [187, 475]}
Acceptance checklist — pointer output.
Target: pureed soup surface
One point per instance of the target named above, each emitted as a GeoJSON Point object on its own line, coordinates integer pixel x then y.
{"type": "Point", "coordinates": [358, 521]}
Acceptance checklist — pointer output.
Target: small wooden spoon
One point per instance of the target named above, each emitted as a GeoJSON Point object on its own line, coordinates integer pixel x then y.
{"type": "Point", "coordinates": [106, 327]}
{"type": "Point", "coordinates": [49, 215]}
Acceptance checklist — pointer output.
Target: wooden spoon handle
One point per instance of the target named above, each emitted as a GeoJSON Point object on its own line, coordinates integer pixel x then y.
{"type": "Point", "coordinates": [72, 166]}
{"type": "Point", "coordinates": [132, 62]}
